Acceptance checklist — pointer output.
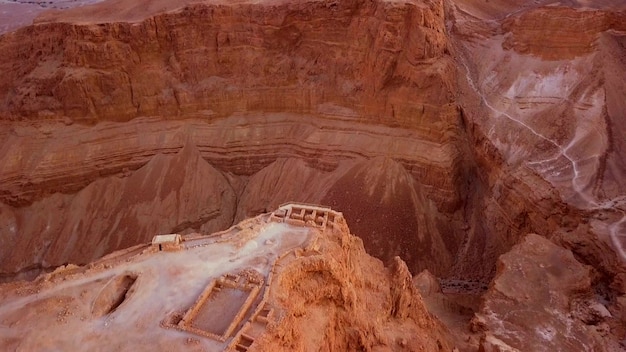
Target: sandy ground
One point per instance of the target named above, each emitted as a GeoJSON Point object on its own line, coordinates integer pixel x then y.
{"type": "Point", "coordinates": [167, 282]}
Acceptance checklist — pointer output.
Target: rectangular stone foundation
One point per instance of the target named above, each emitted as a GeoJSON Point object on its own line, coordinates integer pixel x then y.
{"type": "Point", "coordinates": [220, 308]}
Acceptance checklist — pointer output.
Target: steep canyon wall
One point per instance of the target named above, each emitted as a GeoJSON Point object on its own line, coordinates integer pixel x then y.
{"type": "Point", "coordinates": [105, 123]}
{"type": "Point", "coordinates": [196, 117]}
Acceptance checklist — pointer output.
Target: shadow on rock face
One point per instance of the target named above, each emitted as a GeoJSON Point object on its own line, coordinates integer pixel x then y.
{"type": "Point", "coordinates": [383, 206]}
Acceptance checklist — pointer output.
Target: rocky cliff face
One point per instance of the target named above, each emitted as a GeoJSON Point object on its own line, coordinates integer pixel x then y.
{"type": "Point", "coordinates": [542, 300]}
{"type": "Point", "coordinates": [214, 60]}
{"type": "Point", "coordinates": [546, 103]}
{"type": "Point", "coordinates": [325, 86]}
{"type": "Point", "coordinates": [446, 131]}
{"type": "Point", "coordinates": [572, 32]}
{"type": "Point", "coordinates": [277, 286]}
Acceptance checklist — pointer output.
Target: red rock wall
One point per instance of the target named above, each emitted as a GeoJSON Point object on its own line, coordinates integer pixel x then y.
{"type": "Point", "coordinates": [323, 85]}
{"type": "Point", "coordinates": [293, 57]}
{"type": "Point", "coordinates": [559, 33]}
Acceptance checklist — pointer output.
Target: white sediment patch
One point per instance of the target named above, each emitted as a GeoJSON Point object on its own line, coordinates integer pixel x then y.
{"type": "Point", "coordinates": [582, 153]}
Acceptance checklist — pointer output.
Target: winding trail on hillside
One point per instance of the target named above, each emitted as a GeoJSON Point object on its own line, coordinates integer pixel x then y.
{"type": "Point", "coordinates": [591, 203]}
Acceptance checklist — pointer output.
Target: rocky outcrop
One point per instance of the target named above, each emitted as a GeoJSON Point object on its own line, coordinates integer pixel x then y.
{"type": "Point", "coordinates": [542, 300]}
{"type": "Point", "coordinates": [276, 286]}
{"type": "Point", "coordinates": [339, 297]}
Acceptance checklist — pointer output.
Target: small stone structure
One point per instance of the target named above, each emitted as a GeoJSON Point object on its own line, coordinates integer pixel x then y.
{"type": "Point", "coordinates": [252, 330]}
{"type": "Point", "coordinates": [169, 242]}
{"type": "Point", "coordinates": [302, 214]}
{"type": "Point", "coordinates": [234, 309]}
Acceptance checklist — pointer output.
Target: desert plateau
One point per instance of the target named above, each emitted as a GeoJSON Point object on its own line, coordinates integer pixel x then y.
{"type": "Point", "coordinates": [319, 175]}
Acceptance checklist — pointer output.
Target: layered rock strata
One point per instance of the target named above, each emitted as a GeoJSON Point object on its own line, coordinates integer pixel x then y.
{"type": "Point", "coordinates": [249, 87]}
